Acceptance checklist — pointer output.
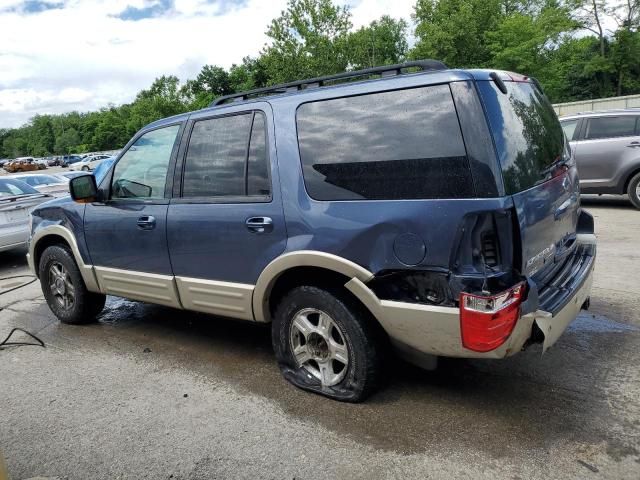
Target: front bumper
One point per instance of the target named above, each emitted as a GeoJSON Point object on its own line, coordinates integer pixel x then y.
{"type": "Point", "coordinates": [433, 330]}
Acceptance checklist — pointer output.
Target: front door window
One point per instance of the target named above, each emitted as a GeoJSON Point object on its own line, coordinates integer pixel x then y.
{"type": "Point", "coordinates": [142, 170]}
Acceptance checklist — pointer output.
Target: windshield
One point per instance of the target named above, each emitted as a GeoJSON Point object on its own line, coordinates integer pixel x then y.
{"type": "Point", "coordinates": [10, 188]}
{"type": "Point", "coordinates": [38, 180]}
{"type": "Point", "coordinates": [527, 134]}
{"type": "Point", "coordinates": [101, 170]}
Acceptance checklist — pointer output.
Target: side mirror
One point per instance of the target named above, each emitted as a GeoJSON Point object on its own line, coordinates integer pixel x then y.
{"type": "Point", "coordinates": [83, 188]}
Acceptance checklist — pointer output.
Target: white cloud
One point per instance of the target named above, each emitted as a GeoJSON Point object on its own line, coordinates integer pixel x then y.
{"type": "Point", "coordinates": [78, 55]}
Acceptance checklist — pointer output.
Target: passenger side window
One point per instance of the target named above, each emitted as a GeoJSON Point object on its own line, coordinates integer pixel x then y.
{"type": "Point", "coordinates": [227, 157]}
{"type": "Point", "coordinates": [403, 144]}
{"type": "Point", "coordinates": [569, 128]}
{"type": "Point", "coordinates": [609, 127]}
{"type": "Point", "coordinates": [142, 170]}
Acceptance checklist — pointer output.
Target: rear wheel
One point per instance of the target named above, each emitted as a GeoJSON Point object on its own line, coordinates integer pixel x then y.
{"type": "Point", "coordinates": [326, 343]}
{"type": "Point", "coordinates": [85, 169]}
{"type": "Point", "coordinates": [634, 191]}
{"type": "Point", "coordinates": [64, 289]}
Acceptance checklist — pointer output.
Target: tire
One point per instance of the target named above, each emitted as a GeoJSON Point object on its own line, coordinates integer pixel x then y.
{"type": "Point", "coordinates": [85, 169]}
{"type": "Point", "coordinates": [64, 289]}
{"type": "Point", "coordinates": [634, 191]}
{"type": "Point", "coordinates": [351, 332]}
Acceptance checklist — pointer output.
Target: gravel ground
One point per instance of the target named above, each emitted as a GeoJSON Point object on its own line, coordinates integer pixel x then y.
{"type": "Point", "coordinates": [151, 392]}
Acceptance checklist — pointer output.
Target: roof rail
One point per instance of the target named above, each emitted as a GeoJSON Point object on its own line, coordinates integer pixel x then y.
{"type": "Point", "coordinates": [385, 70]}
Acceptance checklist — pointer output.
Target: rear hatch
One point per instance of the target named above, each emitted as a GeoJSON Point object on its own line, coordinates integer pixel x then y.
{"type": "Point", "coordinates": [15, 209]}
{"type": "Point", "coordinates": [538, 172]}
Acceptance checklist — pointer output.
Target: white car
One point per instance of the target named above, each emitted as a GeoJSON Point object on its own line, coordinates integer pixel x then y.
{"type": "Point", "coordinates": [52, 184]}
{"type": "Point", "coordinates": [17, 199]}
{"type": "Point", "coordinates": [88, 163]}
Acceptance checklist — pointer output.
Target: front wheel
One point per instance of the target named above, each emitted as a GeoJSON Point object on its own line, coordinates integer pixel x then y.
{"type": "Point", "coordinates": [85, 169]}
{"type": "Point", "coordinates": [634, 191]}
{"type": "Point", "coordinates": [327, 343]}
{"type": "Point", "coordinates": [64, 288]}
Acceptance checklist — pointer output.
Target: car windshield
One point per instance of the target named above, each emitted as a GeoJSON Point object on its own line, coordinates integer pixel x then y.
{"type": "Point", "coordinates": [10, 187]}
{"type": "Point", "coordinates": [101, 170]}
{"type": "Point", "coordinates": [38, 180]}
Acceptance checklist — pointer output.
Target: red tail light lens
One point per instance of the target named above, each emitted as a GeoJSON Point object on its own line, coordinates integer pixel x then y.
{"type": "Point", "coordinates": [487, 321]}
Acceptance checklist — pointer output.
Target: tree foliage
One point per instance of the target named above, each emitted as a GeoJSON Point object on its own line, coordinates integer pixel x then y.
{"type": "Point", "coordinates": [308, 39]}
{"type": "Point", "coordinates": [563, 43]}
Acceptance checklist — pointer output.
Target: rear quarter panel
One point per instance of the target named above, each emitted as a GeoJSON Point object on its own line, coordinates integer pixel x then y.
{"type": "Point", "coordinates": [365, 231]}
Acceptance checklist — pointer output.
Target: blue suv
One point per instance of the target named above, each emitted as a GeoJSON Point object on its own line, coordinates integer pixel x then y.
{"type": "Point", "coordinates": [409, 208]}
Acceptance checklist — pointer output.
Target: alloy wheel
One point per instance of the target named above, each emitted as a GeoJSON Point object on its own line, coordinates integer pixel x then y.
{"type": "Point", "coordinates": [64, 293]}
{"type": "Point", "coordinates": [319, 346]}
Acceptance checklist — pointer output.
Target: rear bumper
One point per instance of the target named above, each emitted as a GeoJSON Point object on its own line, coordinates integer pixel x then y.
{"type": "Point", "coordinates": [14, 237]}
{"type": "Point", "coordinates": [432, 330]}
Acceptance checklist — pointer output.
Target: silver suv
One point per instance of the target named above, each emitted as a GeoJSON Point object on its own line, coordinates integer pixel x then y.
{"type": "Point", "coordinates": [607, 151]}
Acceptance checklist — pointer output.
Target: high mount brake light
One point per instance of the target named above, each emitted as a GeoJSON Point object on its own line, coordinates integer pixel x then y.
{"type": "Point", "coordinates": [487, 321]}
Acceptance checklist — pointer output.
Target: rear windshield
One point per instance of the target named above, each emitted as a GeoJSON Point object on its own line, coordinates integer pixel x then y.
{"type": "Point", "coordinates": [526, 131]}
{"type": "Point", "coordinates": [403, 144]}
{"type": "Point", "coordinates": [10, 187]}
{"type": "Point", "coordinates": [37, 180]}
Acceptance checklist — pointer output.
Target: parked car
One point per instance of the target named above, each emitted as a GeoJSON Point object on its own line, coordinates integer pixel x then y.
{"type": "Point", "coordinates": [88, 163]}
{"type": "Point", "coordinates": [21, 164]}
{"type": "Point", "coordinates": [70, 160]}
{"type": "Point", "coordinates": [607, 151]}
{"type": "Point", "coordinates": [51, 184]}
{"type": "Point", "coordinates": [56, 162]}
{"type": "Point", "coordinates": [102, 169]}
{"type": "Point", "coordinates": [16, 200]}
{"type": "Point", "coordinates": [69, 175]}
{"type": "Point", "coordinates": [402, 211]}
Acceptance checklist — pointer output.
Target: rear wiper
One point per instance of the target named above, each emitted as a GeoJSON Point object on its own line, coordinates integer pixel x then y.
{"type": "Point", "coordinates": [20, 197]}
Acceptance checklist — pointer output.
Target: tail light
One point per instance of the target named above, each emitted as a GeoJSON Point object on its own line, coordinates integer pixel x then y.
{"type": "Point", "coordinates": [487, 321]}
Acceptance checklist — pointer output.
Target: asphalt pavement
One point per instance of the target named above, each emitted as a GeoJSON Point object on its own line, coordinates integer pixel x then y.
{"type": "Point", "coordinates": [152, 392]}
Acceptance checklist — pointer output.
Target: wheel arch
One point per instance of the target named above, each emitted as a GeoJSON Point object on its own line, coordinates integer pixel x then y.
{"type": "Point", "coordinates": [289, 270]}
{"type": "Point", "coordinates": [59, 235]}
{"type": "Point", "coordinates": [635, 171]}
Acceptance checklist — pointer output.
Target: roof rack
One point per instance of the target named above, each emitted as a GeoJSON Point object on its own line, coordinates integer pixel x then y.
{"type": "Point", "coordinates": [383, 71]}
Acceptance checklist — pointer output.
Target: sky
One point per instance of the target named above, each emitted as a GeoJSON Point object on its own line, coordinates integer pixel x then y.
{"type": "Point", "coordinates": [63, 55]}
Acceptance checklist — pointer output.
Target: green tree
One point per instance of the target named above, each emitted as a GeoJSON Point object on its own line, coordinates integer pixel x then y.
{"type": "Point", "coordinates": [309, 39]}
{"type": "Point", "coordinates": [41, 138]}
{"type": "Point", "coordinates": [248, 75]}
{"type": "Point", "coordinates": [211, 82]}
{"type": "Point", "coordinates": [454, 31]}
{"type": "Point", "coordinates": [524, 42]}
{"type": "Point", "coordinates": [67, 141]}
{"type": "Point", "coordinates": [382, 42]}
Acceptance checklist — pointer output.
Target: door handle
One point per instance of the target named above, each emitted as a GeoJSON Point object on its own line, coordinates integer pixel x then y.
{"type": "Point", "coordinates": [634, 144]}
{"type": "Point", "coordinates": [147, 222]}
{"type": "Point", "coordinates": [259, 224]}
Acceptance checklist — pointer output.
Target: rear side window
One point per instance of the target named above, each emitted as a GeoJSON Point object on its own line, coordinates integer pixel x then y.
{"type": "Point", "coordinates": [609, 127]}
{"type": "Point", "coordinates": [527, 133]}
{"type": "Point", "coordinates": [227, 157]}
{"type": "Point", "coordinates": [403, 144]}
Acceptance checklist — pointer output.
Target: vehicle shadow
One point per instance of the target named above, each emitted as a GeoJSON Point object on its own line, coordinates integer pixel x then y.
{"type": "Point", "coordinates": [498, 406]}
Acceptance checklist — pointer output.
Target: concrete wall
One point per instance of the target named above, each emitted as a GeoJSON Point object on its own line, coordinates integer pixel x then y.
{"type": "Point", "coordinates": [629, 101]}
